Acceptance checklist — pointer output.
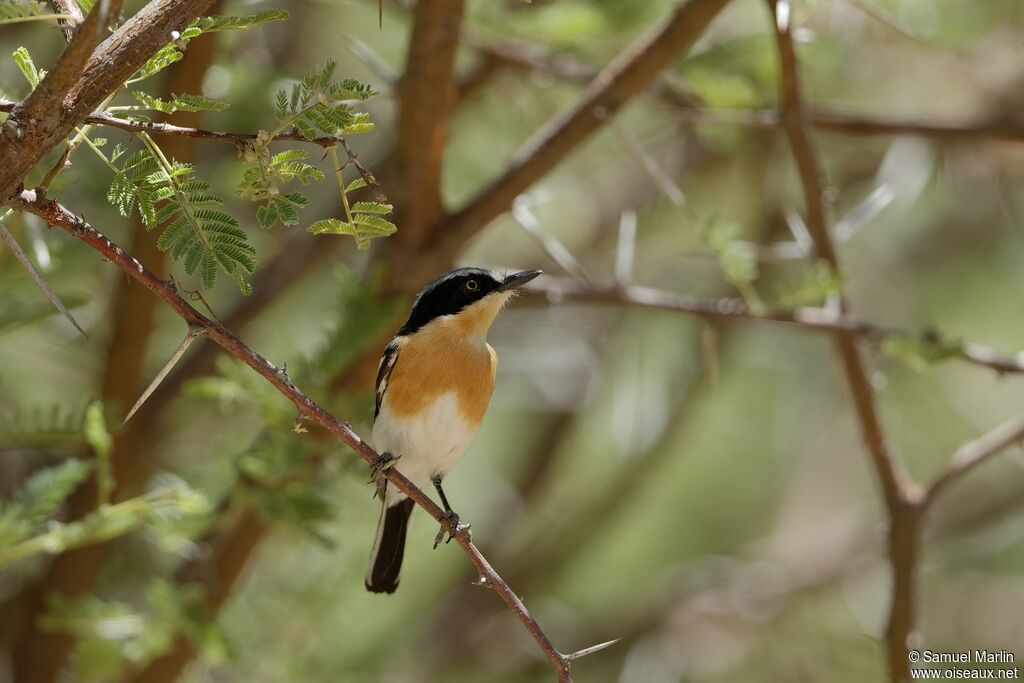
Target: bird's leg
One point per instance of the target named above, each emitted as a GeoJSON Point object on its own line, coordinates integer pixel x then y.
{"type": "Point", "coordinates": [454, 525]}
{"type": "Point", "coordinates": [382, 464]}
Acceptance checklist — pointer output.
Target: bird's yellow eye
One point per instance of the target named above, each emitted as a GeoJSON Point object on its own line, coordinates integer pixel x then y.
{"type": "Point", "coordinates": [472, 285]}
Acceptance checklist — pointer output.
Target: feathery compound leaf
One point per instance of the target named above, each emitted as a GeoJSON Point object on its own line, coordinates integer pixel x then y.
{"type": "Point", "coordinates": [227, 23]}
{"type": "Point", "coordinates": [195, 229]}
{"type": "Point", "coordinates": [179, 103]}
{"type": "Point", "coordinates": [13, 11]}
{"type": "Point", "coordinates": [122, 194]}
{"type": "Point", "coordinates": [46, 490]}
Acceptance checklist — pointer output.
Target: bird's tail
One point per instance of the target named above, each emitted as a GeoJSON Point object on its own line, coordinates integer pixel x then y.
{"type": "Point", "coordinates": [386, 558]}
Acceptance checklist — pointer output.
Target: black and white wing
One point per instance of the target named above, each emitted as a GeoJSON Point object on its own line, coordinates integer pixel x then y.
{"type": "Point", "coordinates": [387, 364]}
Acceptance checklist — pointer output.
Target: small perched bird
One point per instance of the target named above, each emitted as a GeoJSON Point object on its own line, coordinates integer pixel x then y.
{"type": "Point", "coordinates": [433, 385]}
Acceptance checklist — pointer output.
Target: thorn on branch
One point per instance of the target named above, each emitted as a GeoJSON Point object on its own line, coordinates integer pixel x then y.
{"type": "Point", "coordinates": [193, 332]}
{"type": "Point", "coordinates": [579, 654]}
{"type": "Point", "coordinates": [40, 281]}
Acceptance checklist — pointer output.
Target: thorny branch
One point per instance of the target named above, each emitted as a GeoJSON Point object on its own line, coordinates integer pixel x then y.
{"type": "Point", "coordinates": [902, 497]}
{"type": "Point", "coordinates": [238, 139]}
{"type": "Point", "coordinates": [57, 215]}
{"type": "Point", "coordinates": [84, 77]}
{"type": "Point", "coordinates": [809, 318]}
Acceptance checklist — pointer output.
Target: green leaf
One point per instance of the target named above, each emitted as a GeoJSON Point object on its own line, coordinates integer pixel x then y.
{"type": "Point", "coordinates": [357, 128]}
{"type": "Point", "coordinates": [95, 429]}
{"type": "Point", "coordinates": [330, 226]}
{"type": "Point", "coordinates": [46, 490]}
{"type": "Point", "coordinates": [920, 352]}
{"type": "Point", "coordinates": [373, 226]}
{"type": "Point", "coordinates": [24, 61]}
{"type": "Point", "coordinates": [122, 194]}
{"type": "Point", "coordinates": [356, 184]}
{"type": "Point", "coordinates": [164, 57]}
{"type": "Point", "coordinates": [179, 103]}
{"type": "Point", "coordinates": [102, 443]}
{"type": "Point", "coordinates": [14, 11]}
{"type": "Point", "coordinates": [227, 23]}
{"type": "Point", "coordinates": [372, 207]}
{"type": "Point", "coordinates": [816, 286]}
{"type": "Point", "coordinates": [267, 215]}
{"type": "Point", "coordinates": [195, 229]}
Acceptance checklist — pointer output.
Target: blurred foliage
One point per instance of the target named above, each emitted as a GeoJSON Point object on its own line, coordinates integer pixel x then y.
{"type": "Point", "coordinates": [703, 496]}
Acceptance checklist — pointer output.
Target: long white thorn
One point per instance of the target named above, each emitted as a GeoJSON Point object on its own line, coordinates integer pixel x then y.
{"type": "Point", "coordinates": [579, 654]}
{"type": "Point", "coordinates": [168, 366]}
{"type": "Point", "coordinates": [23, 259]}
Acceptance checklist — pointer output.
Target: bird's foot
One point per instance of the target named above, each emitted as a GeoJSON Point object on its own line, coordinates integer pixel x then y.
{"type": "Point", "coordinates": [383, 463]}
{"type": "Point", "coordinates": [452, 526]}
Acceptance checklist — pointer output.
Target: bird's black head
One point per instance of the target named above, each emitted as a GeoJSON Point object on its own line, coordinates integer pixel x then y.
{"type": "Point", "coordinates": [457, 289]}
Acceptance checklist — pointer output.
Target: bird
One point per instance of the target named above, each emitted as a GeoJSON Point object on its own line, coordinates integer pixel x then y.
{"type": "Point", "coordinates": [434, 382]}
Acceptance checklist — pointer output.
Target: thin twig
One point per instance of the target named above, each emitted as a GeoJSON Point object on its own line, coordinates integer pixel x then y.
{"type": "Point", "coordinates": [193, 332]}
{"type": "Point", "coordinates": [238, 139]}
{"type": "Point", "coordinates": [974, 453]}
{"type": "Point", "coordinates": [809, 318]}
{"type": "Point", "coordinates": [24, 260]}
{"type": "Point", "coordinates": [57, 215]}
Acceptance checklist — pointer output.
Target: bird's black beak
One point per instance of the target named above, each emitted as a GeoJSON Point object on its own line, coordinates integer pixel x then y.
{"type": "Point", "coordinates": [517, 280]}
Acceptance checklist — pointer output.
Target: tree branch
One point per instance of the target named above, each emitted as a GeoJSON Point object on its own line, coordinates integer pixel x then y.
{"type": "Point", "coordinates": [426, 93]}
{"type": "Point", "coordinates": [628, 74]}
{"type": "Point", "coordinates": [813, 319]}
{"type": "Point", "coordinates": [238, 139]}
{"type": "Point", "coordinates": [846, 124]}
{"type": "Point", "coordinates": [668, 92]}
{"type": "Point", "coordinates": [974, 453]}
{"type": "Point", "coordinates": [70, 9]}
{"type": "Point", "coordinates": [901, 497]}
{"type": "Point", "coordinates": [70, 91]}
{"type": "Point", "coordinates": [57, 215]}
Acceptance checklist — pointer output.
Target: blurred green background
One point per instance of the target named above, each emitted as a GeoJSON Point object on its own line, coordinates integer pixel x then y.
{"type": "Point", "coordinates": [700, 493]}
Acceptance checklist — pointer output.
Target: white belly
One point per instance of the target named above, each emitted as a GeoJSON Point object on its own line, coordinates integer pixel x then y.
{"type": "Point", "coordinates": [426, 446]}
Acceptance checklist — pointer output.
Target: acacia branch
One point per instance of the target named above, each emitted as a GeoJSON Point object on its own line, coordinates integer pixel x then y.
{"type": "Point", "coordinates": [57, 215]}
{"type": "Point", "coordinates": [808, 318]}
{"type": "Point", "coordinates": [71, 91]}
{"type": "Point", "coordinates": [901, 496]}
{"type": "Point", "coordinates": [633, 70]}
{"type": "Point", "coordinates": [237, 139]}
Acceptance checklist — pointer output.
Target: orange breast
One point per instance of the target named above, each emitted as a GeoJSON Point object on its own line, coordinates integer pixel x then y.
{"type": "Point", "coordinates": [439, 359]}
